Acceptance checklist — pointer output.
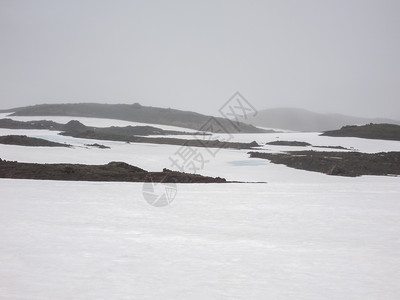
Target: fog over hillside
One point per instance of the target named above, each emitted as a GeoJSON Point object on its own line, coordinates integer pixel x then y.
{"type": "Point", "coordinates": [325, 56]}
{"type": "Point", "coordinates": [303, 120]}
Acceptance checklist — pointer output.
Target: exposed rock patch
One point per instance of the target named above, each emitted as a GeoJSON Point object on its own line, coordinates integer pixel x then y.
{"type": "Point", "coordinates": [23, 140]}
{"type": "Point", "coordinates": [303, 144]}
{"type": "Point", "coordinates": [369, 131]}
{"type": "Point", "coordinates": [334, 147]}
{"type": "Point", "coordinates": [337, 163]}
{"type": "Point", "coordinates": [113, 171]}
{"type": "Point", "coordinates": [138, 113]}
{"type": "Point", "coordinates": [134, 134]}
{"type": "Point", "coordinates": [289, 143]}
{"type": "Point", "coordinates": [76, 126]}
{"type": "Point", "coordinates": [99, 135]}
{"type": "Point", "coordinates": [100, 146]}
{"type": "Point", "coordinates": [43, 124]}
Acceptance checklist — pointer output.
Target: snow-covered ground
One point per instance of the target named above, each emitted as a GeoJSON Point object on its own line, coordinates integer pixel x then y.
{"type": "Point", "coordinates": [301, 235]}
{"type": "Point", "coordinates": [77, 240]}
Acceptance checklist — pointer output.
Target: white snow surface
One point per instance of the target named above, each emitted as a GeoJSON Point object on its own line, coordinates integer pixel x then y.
{"type": "Point", "coordinates": [301, 235]}
{"type": "Point", "coordinates": [79, 240]}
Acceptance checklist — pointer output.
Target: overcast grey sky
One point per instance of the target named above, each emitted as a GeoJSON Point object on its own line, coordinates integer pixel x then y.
{"type": "Point", "coordinates": [328, 56]}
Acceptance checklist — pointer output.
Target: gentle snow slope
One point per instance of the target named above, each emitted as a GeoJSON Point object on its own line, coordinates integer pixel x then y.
{"type": "Point", "coordinates": [68, 240]}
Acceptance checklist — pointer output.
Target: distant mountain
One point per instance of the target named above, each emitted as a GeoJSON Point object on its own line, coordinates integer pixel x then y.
{"type": "Point", "coordinates": [137, 113]}
{"type": "Point", "coordinates": [304, 120]}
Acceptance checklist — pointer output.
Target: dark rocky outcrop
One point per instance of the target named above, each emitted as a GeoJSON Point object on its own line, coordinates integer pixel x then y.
{"type": "Point", "coordinates": [135, 130]}
{"type": "Point", "coordinates": [369, 131]}
{"type": "Point", "coordinates": [134, 134]}
{"type": "Point", "coordinates": [289, 143]}
{"type": "Point", "coordinates": [101, 135]}
{"type": "Point", "coordinates": [138, 113]}
{"type": "Point", "coordinates": [43, 124]}
{"type": "Point", "coordinates": [76, 126]}
{"type": "Point", "coordinates": [303, 144]}
{"type": "Point", "coordinates": [23, 140]}
{"type": "Point", "coordinates": [337, 163]}
{"type": "Point", "coordinates": [95, 145]}
{"type": "Point", "coordinates": [113, 171]}
{"type": "Point", "coordinates": [334, 147]}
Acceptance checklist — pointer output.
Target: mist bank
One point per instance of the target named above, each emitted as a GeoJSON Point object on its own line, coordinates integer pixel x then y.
{"type": "Point", "coordinates": [304, 120]}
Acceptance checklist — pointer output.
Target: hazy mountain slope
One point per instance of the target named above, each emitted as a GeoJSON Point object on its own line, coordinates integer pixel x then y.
{"type": "Point", "coordinates": [137, 113]}
{"type": "Point", "coordinates": [304, 120]}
